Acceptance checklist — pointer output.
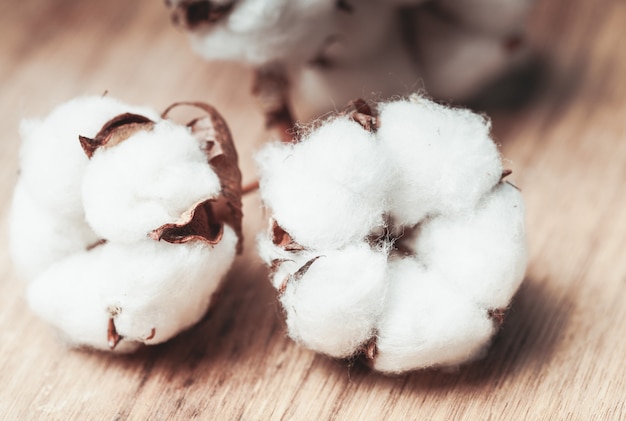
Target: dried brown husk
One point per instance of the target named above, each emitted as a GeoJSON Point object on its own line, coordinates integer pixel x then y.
{"type": "Point", "coordinates": [204, 220]}
{"type": "Point", "coordinates": [115, 131]}
{"type": "Point", "coordinates": [217, 143]}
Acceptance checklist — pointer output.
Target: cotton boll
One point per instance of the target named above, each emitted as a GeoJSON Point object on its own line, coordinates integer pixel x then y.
{"type": "Point", "coordinates": [147, 181]}
{"type": "Point", "coordinates": [329, 189]}
{"type": "Point", "coordinates": [152, 290]}
{"type": "Point", "coordinates": [483, 253]}
{"type": "Point", "coordinates": [260, 32]}
{"type": "Point", "coordinates": [51, 158]}
{"type": "Point", "coordinates": [334, 306]}
{"type": "Point", "coordinates": [38, 237]}
{"type": "Point", "coordinates": [427, 323]}
{"type": "Point", "coordinates": [446, 158]}
{"type": "Point", "coordinates": [457, 62]}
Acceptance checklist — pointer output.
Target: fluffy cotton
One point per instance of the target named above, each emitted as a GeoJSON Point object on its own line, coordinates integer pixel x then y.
{"type": "Point", "coordinates": [329, 189]}
{"type": "Point", "coordinates": [446, 159]}
{"type": "Point", "coordinates": [443, 250]}
{"type": "Point", "coordinates": [81, 224]}
{"type": "Point", "coordinates": [151, 184]}
{"type": "Point", "coordinates": [340, 285]}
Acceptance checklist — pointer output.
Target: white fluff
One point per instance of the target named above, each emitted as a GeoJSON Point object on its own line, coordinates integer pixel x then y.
{"type": "Point", "coordinates": [157, 176]}
{"type": "Point", "coordinates": [334, 307]}
{"type": "Point", "coordinates": [64, 204]}
{"type": "Point", "coordinates": [487, 246]}
{"type": "Point", "coordinates": [145, 285]}
{"type": "Point", "coordinates": [327, 190]}
{"type": "Point", "coordinates": [427, 323]}
{"type": "Point", "coordinates": [451, 249]}
{"type": "Point", "coordinates": [446, 158]}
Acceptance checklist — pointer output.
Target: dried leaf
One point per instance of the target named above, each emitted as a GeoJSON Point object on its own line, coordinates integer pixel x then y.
{"type": "Point", "coordinates": [361, 112]}
{"type": "Point", "coordinates": [215, 139]}
{"type": "Point", "coordinates": [197, 224]}
{"type": "Point", "coordinates": [297, 275]}
{"type": "Point", "coordinates": [282, 239]}
{"type": "Point", "coordinates": [115, 131]}
{"type": "Point", "coordinates": [113, 338]}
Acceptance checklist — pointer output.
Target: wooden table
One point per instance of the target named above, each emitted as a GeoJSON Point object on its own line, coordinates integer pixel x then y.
{"type": "Point", "coordinates": [562, 351]}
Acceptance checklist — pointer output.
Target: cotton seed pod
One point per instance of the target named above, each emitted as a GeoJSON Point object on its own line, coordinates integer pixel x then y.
{"type": "Point", "coordinates": [125, 240]}
{"type": "Point", "coordinates": [425, 279]}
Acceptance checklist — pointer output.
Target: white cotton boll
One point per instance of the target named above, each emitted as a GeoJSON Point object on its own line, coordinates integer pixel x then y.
{"type": "Point", "coordinates": [482, 253]}
{"type": "Point", "coordinates": [52, 160]}
{"type": "Point", "coordinates": [334, 307]}
{"type": "Point", "coordinates": [153, 290]}
{"type": "Point", "coordinates": [329, 189]}
{"type": "Point", "coordinates": [445, 156]}
{"type": "Point", "coordinates": [263, 32]}
{"type": "Point", "coordinates": [38, 238]}
{"type": "Point", "coordinates": [147, 181]}
{"type": "Point", "coordinates": [427, 323]}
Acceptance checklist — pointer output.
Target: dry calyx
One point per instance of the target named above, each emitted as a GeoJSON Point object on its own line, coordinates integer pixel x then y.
{"type": "Point", "coordinates": [124, 222]}
{"type": "Point", "coordinates": [393, 234]}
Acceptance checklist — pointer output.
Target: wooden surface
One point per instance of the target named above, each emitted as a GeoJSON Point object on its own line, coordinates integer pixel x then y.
{"type": "Point", "coordinates": [561, 354]}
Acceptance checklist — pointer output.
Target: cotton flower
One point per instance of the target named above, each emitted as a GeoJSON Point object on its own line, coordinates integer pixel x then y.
{"type": "Point", "coordinates": [124, 222]}
{"type": "Point", "coordinates": [393, 234]}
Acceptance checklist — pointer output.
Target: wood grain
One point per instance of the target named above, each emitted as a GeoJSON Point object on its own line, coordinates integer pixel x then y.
{"type": "Point", "coordinates": [561, 354]}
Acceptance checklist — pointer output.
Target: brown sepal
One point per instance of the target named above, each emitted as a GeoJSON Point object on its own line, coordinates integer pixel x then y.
{"type": "Point", "coordinates": [216, 141]}
{"type": "Point", "coordinates": [191, 14]}
{"type": "Point", "coordinates": [505, 174]}
{"type": "Point", "coordinates": [113, 338]}
{"type": "Point", "coordinates": [361, 112]}
{"type": "Point", "coordinates": [115, 131]}
{"type": "Point", "coordinates": [297, 275]}
{"type": "Point", "coordinates": [282, 239]}
{"type": "Point", "coordinates": [197, 224]}
{"type": "Point", "coordinates": [497, 315]}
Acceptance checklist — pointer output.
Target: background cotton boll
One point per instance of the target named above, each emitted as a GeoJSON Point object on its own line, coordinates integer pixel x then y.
{"type": "Point", "coordinates": [329, 189]}
{"type": "Point", "coordinates": [446, 158]}
{"type": "Point", "coordinates": [457, 62]}
{"type": "Point", "coordinates": [260, 32]}
{"type": "Point", "coordinates": [143, 286]}
{"type": "Point", "coordinates": [426, 322]}
{"type": "Point", "coordinates": [51, 158]}
{"type": "Point", "coordinates": [39, 238]}
{"type": "Point", "coordinates": [148, 180]}
{"type": "Point", "coordinates": [482, 253]}
{"type": "Point", "coordinates": [333, 308]}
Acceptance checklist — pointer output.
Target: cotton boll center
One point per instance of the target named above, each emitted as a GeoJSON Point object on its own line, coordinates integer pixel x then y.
{"type": "Point", "coordinates": [146, 181]}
